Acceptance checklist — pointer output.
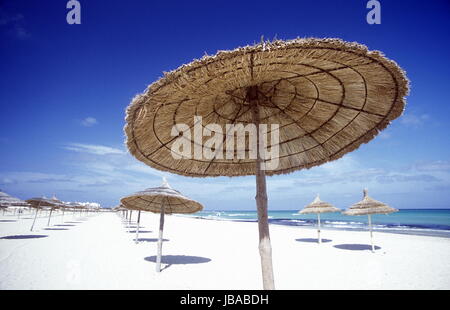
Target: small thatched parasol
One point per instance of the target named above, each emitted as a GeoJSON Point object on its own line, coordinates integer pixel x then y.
{"type": "Point", "coordinates": [162, 199]}
{"type": "Point", "coordinates": [369, 206]}
{"type": "Point", "coordinates": [327, 97]}
{"type": "Point", "coordinates": [318, 206]}
{"type": "Point", "coordinates": [38, 203]}
{"type": "Point", "coordinates": [10, 201]}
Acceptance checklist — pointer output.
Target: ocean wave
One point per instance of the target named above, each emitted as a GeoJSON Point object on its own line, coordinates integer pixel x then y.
{"type": "Point", "coordinates": [332, 222]}
{"type": "Point", "coordinates": [237, 214]}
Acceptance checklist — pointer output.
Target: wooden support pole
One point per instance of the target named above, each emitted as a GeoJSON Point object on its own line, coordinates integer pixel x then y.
{"type": "Point", "coordinates": [371, 235]}
{"type": "Point", "coordinates": [160, 239]}
{"type": "Point", "coordinates": [49, 216]}
{"type": "Point", "coordinates": [35, 216]}
{"type": "Point", "coordinates": [265, 248]}
{"type": "Point", "coordinates": [318, 228]}
{"type": "Point", "coordinates": [137, 227]}
{"type": "Point", "coordinates": [34, 221]}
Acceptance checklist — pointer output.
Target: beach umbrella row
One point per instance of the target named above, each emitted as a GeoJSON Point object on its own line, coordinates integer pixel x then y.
{"type": "Point", "coordinates": [367, 206]}
{"type": "Point", "coordinates": [52, 204]}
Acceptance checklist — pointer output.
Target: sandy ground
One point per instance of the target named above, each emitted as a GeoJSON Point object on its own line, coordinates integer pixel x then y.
{"type": "Point", "coordinates": [98, 252]}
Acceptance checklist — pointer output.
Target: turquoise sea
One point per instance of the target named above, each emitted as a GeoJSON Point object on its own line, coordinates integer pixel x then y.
{"type": "Point", "coordinates": [434, 222]}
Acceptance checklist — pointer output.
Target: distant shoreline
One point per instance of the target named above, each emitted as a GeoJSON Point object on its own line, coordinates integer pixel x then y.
{"type": "Point", "coordinates": [409, 222]}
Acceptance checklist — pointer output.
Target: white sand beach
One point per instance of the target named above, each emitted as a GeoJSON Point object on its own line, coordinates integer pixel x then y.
{"type": "Point", "coordinates": [97, 252]}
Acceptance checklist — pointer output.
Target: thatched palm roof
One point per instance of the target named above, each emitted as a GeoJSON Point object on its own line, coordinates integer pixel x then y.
{"type": "Point", "coordinates": [369, 206]}
{"type": "Point", "coordinates": [319, 206]}
{"type": "Point", "coordinates": [9, 201]}
{"type": "Point", "coordinates": [152, 199]}
{"type": "Point", "coordinates": [39, 202]}
{"type": "Point", "coordinates": [327, 95]}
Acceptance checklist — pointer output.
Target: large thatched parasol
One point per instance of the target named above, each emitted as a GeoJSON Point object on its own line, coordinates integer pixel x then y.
{"type": "Point", "coordinates": [369, 206]}
{"type": "Point", "coordinates": [327, 97]}
{"type": "Point", "coordinates": [41, 202]}
{"type": "Point", "coordinates": [317, 207]}
{"type": "Point", "coordinates": [163, 199]}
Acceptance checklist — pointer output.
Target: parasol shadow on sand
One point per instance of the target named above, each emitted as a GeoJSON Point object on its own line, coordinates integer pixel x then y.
{"type": "Point", "coordinates": [137, 232]}
{"type": "Point", "coordinates": [20, 237]}
{"type": "Point", "coordinates": [170, 260]}
{"type": "Point", "coordinates": [369, 206]}
{"type": "Point", "coordinates": [151, 240]}
{"type": "Point", "coordinates": [163, 199]}
{"type": "Point", "coordinates": [327, 97]}
{"type": "Point", "coordinates": [312, 240]}
{"type": "Point", "coordinates": [356, 247]}
{"type": "Point", "coordinates": [317, 207]}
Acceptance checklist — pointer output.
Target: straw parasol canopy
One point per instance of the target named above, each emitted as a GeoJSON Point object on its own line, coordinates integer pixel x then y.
{"type": "Point", "coordinates": [327, 97]}
{"type": "Point", "coordinates": [9, 201]}
{"type": "Point", "coordinates": [162, 199]}
{"type": "Point", "coordinates": [153, 199]}
{"type": "Point", "coordinates": [317, 207]}
{"type": "Point", "coordinates": [369, 206]}
{"type": "Point", "coordinates": [40, 202]}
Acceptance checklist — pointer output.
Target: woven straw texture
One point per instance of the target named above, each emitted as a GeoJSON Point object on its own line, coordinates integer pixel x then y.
{"type": "Point", "coordinates": [152, 200]}
{"type": "Point", "coordinates": [39, 202]}
{"type": "Point", "coordinates": [7, 200]}
{"type": "Point", "coordinates": [369, 206]}
{"type": "Point", "coordinates": [319, 206]}
{"type": "Point", "coordinates": [328, 97]}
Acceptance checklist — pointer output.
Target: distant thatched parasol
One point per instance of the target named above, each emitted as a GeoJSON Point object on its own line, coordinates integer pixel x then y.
{"type": "Point", "coordinates": [132, 208]}
{"type": "Point", "coordinates": [38, 203]}
{"type": "Point", "coordinates": [327, 96]}
{"type": "Point", "coordinates": [10, 201]}
{"type": "Point", "coordinates": [369, 206]}
{"type": "Point", "coordinates": [318, 206]}
{"type": "Point", "coordinates": [162, 199]}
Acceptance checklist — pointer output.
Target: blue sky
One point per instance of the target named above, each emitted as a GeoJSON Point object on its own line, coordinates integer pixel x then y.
{"type": "Point", "coordinates": [64, 89]}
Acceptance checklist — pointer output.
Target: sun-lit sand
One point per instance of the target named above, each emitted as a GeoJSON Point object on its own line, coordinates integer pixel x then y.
{"type": "Point", "coordinates": [98, 252]}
